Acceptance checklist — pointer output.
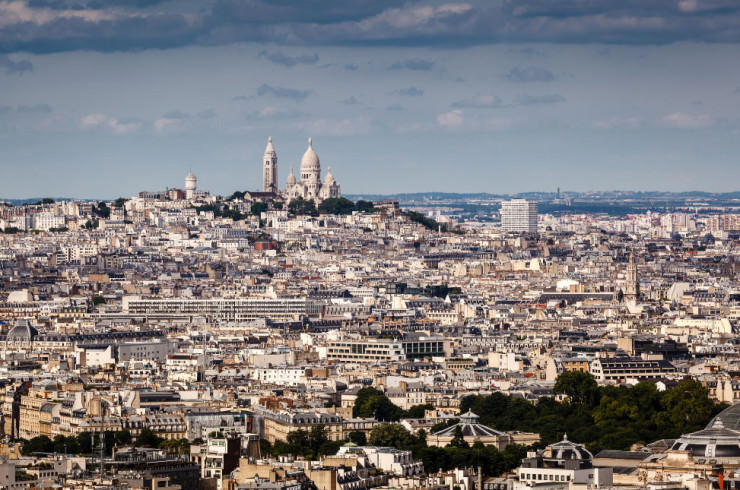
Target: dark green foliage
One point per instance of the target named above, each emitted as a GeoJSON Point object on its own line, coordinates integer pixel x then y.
{"type": "Point", "coordinates": [84, 443]}
{"type": "Point", "coordinates": [118, 203]}
{"type": "Point", "coordinates": [59, 230]}
{"type": "Point", "coordinates": [221, 211]}
{"type": "Point", "coordinates": [47, 200]}
{"type": "Point", "coordinates": [357, 437]}
{"type": "Point", "coordinates": [11, 229]}
{"type": "Point", "coordinates": [147, 438]}
{"type": "Point", "coordinates": [364, 206]}
{"type": "Point", "coordinates": [429, 223]}
{"type": "Point", "coordinates": [102, 210]}
{"type": "Point", "coordinates": [265, 448]}
{"type": "Point", "coordinates": [91, 225]}
{"type": "Point", "coordinates": [417, 411]}
{"type": "Point", "coordinates": [310, 444]}
{"type": "Point", "coordinates": [493, 461]}
{"type": "Point", "coordinates": [98, 300]}
{"type": "Point", "coordinates": [41, 444]}
{"type": "Point", "coordinates": [579, 387]}
{"type": "Point", "coordinates": [608, 417]}
{"type": "Point", "coordinates": [443, 425]}
{"type": "Point", "coordinates": [258, 208]}
{"type": "Point", "coordinates": [301, 207]}
{"type": "Point", "coordinates": [373, 403]}
{"type": "Point", "coordinates": [336, 205]}
{"type": "Point", "coordinates": [458, 440]}
{"type": "Point", "coordinates": [123, 437]}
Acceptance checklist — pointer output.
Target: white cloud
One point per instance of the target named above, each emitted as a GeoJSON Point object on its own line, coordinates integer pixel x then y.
{"type": "Point", "coordinates": [688, 121]}
{"type": "Point", "coordinates": [452, 119]}
{"type": "Point", "coordinates": [115, 125]}
{"type": "Point", "coordinates": [620, 123]}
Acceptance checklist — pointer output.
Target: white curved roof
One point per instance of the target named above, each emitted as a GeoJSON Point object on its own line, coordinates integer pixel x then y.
{"type": "Point", "coordinates": [310, 160]}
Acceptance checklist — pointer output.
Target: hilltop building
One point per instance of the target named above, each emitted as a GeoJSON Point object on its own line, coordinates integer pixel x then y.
{"type": "Point", "coordinates": [309, 186]}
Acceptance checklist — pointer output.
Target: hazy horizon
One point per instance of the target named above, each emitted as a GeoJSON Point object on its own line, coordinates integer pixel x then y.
{"type": "Point", "coordinates": [399, 97]}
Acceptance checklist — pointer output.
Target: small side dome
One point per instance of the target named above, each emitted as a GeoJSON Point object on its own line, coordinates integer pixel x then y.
{"type": "Point", "coordinates": [291, 178]}
{"type": "Point", "coordinates": [329, 179]}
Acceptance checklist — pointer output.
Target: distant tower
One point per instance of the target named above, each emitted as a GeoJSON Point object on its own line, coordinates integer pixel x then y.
{"type": "Point", "coordinates": [191, 183]}
{"type": "Point", "coordinates": [269, 169]}
{"type": "Point", "coordinates": [632, 289]}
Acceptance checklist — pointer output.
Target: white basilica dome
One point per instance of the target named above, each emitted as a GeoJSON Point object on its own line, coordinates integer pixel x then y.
{"type": "Point", "coordinates": [310, 161]}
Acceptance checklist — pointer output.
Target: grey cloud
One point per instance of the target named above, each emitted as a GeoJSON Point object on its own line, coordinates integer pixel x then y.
{"type": "Point", "coordinates": [529, 74]}
{"type": "Point", "coordinates": [304, 11]}
{"type": "Point", "coordinates": [540, 99]}
{"type": "Point", "coordinates": [27, 109]}
{"type": "Point", "coordinates": [38, 108]}
{"type": "Point", "coordinates": [280, 58]}
{"type": "Point", "coordinates": [394, 107]}
{"type": "Point", "coordinates": [350, 101]}
{"type": "Point", "coordinates": [12, 67]}
{"type": "Point", "coordinates": [410, 92]}
{"type": "Point", "coordinates": [478, 101]}
{"type": "Point", "coordinates": [351, 67]}
{"type": "Point", "coordinates": [207, 114]}
{"type": "Point", "coordinates": [282, 92]}
{"type": "Point", "coordinates": [414, 64]}
{"type": "Point", "coordinates": [133, 25]}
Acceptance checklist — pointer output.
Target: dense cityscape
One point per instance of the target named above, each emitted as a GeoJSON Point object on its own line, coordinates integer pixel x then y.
{"type": "Point", "coordinates": [369, 244]}
{"type": "Point", "coordinates": [296, 339]}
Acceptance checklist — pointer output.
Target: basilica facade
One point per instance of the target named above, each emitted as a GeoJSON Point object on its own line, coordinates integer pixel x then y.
{"type": "Point", "coordinates": [309, 186]}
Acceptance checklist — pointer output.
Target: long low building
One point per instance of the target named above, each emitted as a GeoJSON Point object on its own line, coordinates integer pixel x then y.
{"type": "Point", "coordinates": [622, 368]}
{"type": "Point", "coordinates": [223, 309]}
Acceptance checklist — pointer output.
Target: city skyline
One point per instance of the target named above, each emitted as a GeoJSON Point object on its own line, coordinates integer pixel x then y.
{"type": "Point", "coordinates": [398, 96]}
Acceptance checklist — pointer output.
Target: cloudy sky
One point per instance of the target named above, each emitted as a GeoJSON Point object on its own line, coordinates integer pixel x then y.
{"type": "Point", "coordinates": [104, 98]}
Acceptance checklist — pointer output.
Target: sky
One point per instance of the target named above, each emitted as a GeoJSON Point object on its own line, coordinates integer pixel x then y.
{"type": "Point", "coordinates": [105, 98]}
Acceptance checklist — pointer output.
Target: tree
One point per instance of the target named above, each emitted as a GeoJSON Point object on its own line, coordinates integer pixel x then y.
{"type": "Point", "coordinates": [90, 225]}
{"type": "Point", "coordinates": [119, 203]}
{"type": "Point", "coordinates": [371, 402]}
{"type": "Point", "coordinates": [458, 440]}
{"type": "Point", "coordinates": [40, 444]}
{"type": "Point", "coordinates": [336, 205]}
{"type": "Point", "coordinates": [123, 437]}
{"type": "Point", "coordinates": [258, 208]}
{"type": "Point", "coordinates": [300, 207]}
{"type": "Point", "coordinates": [98, 300]}
{"type": "Point", "coordinates": [392, 435]}
{"type": "Point", "coordinates": [417, 411]}
{"type": "Point", "coordinates": [357, 437]}
{"type": "Point", "coordinates": [365, 206]}
{"type": "Point", "coordinates": [578, 386]}
{"type": "Point", "coordinates": [102, 210]}
{"type": "Point", "coordinates": [47, 200]}
{"type": "Point", "coordinates": [147, 438]}
{"type": "Point", "coordinates": [85, 443]}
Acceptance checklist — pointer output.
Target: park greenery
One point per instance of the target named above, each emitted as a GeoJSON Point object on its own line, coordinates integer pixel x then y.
{"type": "Point", "coordinates": [86, 443]}
{"type": "Point", "coordinates": [601, 417]}
{"type": "Point", "coordinates": [429, 223]}
{"type": "Point", "coordinates": [332, 205]}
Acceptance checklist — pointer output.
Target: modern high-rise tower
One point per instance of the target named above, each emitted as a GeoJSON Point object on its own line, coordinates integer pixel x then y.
{"type": "Point", "coordinates": [519, 215]}
{"type": "Point", "coordinates": [269, 169]}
